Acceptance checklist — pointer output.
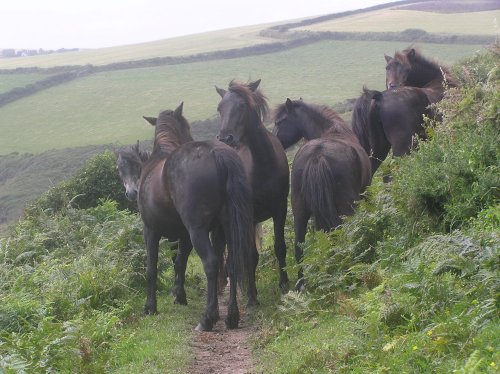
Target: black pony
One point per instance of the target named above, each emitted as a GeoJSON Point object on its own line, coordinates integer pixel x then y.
{"type": "Point", "coordinates": [185, 190]}
{"type": "Point", "coordinates": [411, 68]}
{"type": "Point", "coordinates": [329, 171]}
{"type": "Point", "coordinates": [242, 109]}
{"type": "Point", "coordinates": [391, 119]}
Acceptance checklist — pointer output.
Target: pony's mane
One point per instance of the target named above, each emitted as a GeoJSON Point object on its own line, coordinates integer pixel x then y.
{"type": "Point", "coordinates": [168, 133]}
{"type": "Point", "coordinates": [256, 100]}
{"type": "Point", "coordinates": [319, 114]}
{"type": "Point", "coordinates": [422, 65]}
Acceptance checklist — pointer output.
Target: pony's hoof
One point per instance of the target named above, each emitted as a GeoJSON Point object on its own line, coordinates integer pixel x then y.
{"type": "Point", "coordinates": [252, 304]}
{"type": "Point", "coordinates": [201, 328]}
{"type": "Point", "coordinates": [284, 287]}
{"type": "Point", "coordinates": [301, 286]}
{"type": "Point", "coordinates": [150, 311]}
{"type": "Point", "coordinates": [180, 300]}
{"type": "Point", "coordinates": [232, 322]}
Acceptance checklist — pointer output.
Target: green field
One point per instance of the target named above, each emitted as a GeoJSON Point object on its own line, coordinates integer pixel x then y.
{"type": "Point", "coordinates": [191, 44]}
{"type": "Point", "coordinates": [10, 81]}
{"type": "Point", "coordinates": [108, 107]}
{"type": "Point", "coordinates": [394, 20]}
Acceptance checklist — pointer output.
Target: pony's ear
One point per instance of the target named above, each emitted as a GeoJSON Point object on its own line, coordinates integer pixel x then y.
{"type": "Point", "coordinates": [387, 58]}
{"type": "Point", "coordinates": [411, 54]}
{"type": "Point", "coordinates": [178, 110]}
{"type": "Point", "coordinates": [289, 105]}
{"type": "Point", "coordinates": [253, 85]}
{"type": "Point", "coordinates": [220, 91]}
{"type": "Point", "coordinates": [151, 120]}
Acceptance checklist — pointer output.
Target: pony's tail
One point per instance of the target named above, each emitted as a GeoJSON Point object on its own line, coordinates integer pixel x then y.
{"type": "Point", "coordinates": [363, 116]}
{"type": "Point", "coordinates": [318, 190]}
{"type": "Point", "coordinates": [241, 240]}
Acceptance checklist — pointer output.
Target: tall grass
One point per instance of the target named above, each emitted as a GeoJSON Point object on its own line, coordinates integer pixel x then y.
{"type": "Point", "coordinates": [72, 286]}
{"type": "Point", "coordinates": [410, 282]}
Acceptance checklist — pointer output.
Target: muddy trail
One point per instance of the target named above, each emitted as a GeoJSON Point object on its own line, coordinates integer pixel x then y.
{"type": "Point", "coordinates": [224, 351]}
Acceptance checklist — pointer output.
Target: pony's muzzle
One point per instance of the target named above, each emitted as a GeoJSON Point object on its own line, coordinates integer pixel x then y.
{"type": "Point", "coordinates": [228, 139]}
{"type": "Point", "coordinates": [393, 85]}
{"type": "Point", "coordinates": [131, 194]}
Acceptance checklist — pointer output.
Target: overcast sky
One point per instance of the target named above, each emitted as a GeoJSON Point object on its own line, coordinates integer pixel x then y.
{"type": "Point", "coordinates": [52, 24]}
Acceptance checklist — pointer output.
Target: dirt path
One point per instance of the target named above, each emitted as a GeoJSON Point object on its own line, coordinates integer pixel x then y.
{"type": "Point", "coordinates": [224, 351]}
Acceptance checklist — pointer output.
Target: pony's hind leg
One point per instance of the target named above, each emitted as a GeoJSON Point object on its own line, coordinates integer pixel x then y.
{"type": "Point", "coordinates": [301, 217]}
{"type": "Point", "coordinates": [233, 313]}
{"type": "Point", "coordinates": [219, 244]}
{"type": "Point", "coordinates": [201, 242]}
{"type": "Point", "coordinates": [181, 259]}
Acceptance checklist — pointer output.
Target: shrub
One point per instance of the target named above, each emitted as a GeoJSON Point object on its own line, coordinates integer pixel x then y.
{"type": "Point", "coordinates": [97, 180]}
{"type": "Point", "coordinates": [456, 175]}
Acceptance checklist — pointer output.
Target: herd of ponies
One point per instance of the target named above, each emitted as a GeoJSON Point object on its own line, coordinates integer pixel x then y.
{"type": "Point", "coordinates": [211, 194]}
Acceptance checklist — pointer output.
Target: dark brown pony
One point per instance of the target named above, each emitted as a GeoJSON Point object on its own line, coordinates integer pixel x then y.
{"type": "Point", "coordinates": [411, 68]}
{"type": "Point", "coordinates": [329, 172]}
{"type": "Point", "coordinates": [391, 119]}
{"type": "Point", "coordinates": [129, 163]}
{"type": "Point", "coordinates": [242, 109]}
{"type": "Point", "coordinates": [186, 189]}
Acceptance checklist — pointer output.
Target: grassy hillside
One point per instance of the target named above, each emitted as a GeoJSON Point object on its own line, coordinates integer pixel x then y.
{"type": "Point", "coordinates": [108, 107]}
{"type": "Point", "coordinates": [180, 46]}
{"type": "Point", "coordinates": [24, 177]}
{"type": "Point", "coordinates": [475, 23]}
{"type": "Point", "coordinates": [408, 284]}
{"type": "Point", "coordinates": [10, 81]}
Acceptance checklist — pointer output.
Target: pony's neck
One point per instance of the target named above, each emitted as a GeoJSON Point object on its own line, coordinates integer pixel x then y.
{"type": "Point", "coordinates": [165, 143]}
{"type": "Point", "coordinates": [257, 139]}
{"type": "Point", "coordinates": [315, 129]}
{"type": "Point", "coordinates": [425, 73]}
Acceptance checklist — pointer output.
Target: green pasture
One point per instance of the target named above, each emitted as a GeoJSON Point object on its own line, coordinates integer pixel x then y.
{"type": "Point", "coordinates": [10, 81]}
{"type": "Point", "coordinates": [185, 45]}
{"type": "Point", "coordinates": [108, 107]}
{"type": "Point", "coordinates": [394, 20]}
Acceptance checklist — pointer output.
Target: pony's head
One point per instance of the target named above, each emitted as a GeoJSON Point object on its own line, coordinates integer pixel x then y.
{"type": "Point", "coordinates": [129, 163]}
{"type": "Point", "coordinates": [242, 105]}
{"type": "Point", "coordinates": [287, 123]}
{"type": "Point", "coordinates": [398, 68]}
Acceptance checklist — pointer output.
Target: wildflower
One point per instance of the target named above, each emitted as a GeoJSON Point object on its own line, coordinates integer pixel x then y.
{"type": "Point", "coordinates": [430, 332]}
{"type": "Point", "coordinates": [414, 347]}
{"type": "Point", "coordinates": [493, 364]}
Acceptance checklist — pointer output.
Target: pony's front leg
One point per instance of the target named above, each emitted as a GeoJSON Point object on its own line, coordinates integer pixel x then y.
{"type": "Point", "coordinates": [252, 283]}
{"type": "Point", "coordinates": [181, 259]}
{"type": "Point", "coordinates": [280, 246]}
{"type": "Point", "coordinates": [152, 241]}
{"type": "Point", "coordinates": [210, 262]}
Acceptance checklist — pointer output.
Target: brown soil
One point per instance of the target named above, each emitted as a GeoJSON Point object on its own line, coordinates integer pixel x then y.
{"type": "Point", "coordinates": [224, 351]}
